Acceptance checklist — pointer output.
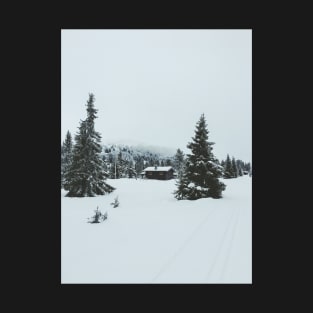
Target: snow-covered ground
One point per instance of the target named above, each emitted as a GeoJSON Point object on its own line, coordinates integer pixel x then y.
{"type": "Point", "coordinates": [154, 238]}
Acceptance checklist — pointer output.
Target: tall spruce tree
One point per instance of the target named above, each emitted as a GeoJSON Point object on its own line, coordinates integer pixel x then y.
{"type": "Point", "coordinates": [201, 173]}
{"type": "Point", "coordinates": [179, 161]}
{"type": "Point", "coordinates": [86, 176]}
{"type": "Point", "coordinates": [66, 156]}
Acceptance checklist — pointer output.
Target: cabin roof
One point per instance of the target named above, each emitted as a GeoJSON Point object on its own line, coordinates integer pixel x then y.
{"type": "Point", "coordinates": [158, 168]}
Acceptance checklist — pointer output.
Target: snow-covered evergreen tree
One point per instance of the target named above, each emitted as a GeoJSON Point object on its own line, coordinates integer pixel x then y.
{"type": "Point", "coordinates": [123, 165]}
{"type": "Point", "coordinates": [228, 171]}
{"type": "Point", "coordinates": [98, 217]}
{"type": "Point", "coordinates": [201, 173]}
{"type": "Point", "coordinates": [179, 161]}
{"type": "Point", "coordinates": [139, 165]}
{"type": "Point", "coordinates": [86, 176]}
{"type": "Point", "coordinates": [239, 165]}
{"type": "Point", "coordinates": [131, 170]}
{"type": "Point", "coordinates": [119, 167]}
{"type": "Point", "coordinates": [240, 173]}
{"type": "Point", "coordinates": [183, 188]}
{"type": "Point", "coordinates": [234, 168]}
{"type": "Point", "coordinates": [247, 167]}
{"type": "Point", "coordinates": [66, 156]}
{"type": "Point", "coordinates": [113, 174]}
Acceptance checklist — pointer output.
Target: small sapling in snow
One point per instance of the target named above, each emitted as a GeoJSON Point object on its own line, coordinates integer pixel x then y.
{"type": "Point", "coordinates": [115, 203]}
{"type": "Point", "coordinates": [98, 217]}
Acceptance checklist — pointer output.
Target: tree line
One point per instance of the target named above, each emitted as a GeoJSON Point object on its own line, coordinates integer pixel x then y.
{"type": "Point", "coordinates": [121, 162]}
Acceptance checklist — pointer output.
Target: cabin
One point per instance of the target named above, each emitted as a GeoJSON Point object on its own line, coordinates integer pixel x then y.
{"type": "Point", "coordinates": [159, 172]}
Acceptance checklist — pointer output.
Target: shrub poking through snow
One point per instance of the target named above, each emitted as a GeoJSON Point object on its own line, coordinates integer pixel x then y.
{"type": "Point", "coordinates": [115, 203]}
{"type": "Point", "coordinates": [98, 217]}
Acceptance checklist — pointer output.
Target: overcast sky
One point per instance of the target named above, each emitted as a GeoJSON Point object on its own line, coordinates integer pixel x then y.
{"type": "Point", "coordinates": [151, 86]}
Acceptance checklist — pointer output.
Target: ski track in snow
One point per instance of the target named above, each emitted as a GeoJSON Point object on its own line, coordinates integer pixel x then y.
{"type": "Point", "coordinates": [164, 274]}
{"type": "Point", "coordinates": [221, 245]}
{"type": "Point", "coordinates": [183, 246]}
{"type": "Point", "coordinates": [230, 246]}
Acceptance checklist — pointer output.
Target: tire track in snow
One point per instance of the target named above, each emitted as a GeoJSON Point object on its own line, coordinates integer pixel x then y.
{"type": "Point", "coordinates": [230, 245]}
{"type": "Point", "coordinates": [183, 246]}
{"type": "Point", "coordinates": [219, 249]}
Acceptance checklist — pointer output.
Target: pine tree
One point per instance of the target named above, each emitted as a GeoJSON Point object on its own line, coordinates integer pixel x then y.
{"type": "Point", "coordinates": [86, 176]}
{"type": "Point", "coordinates": [113, 169]}
{"type": "Point", "coordinates": [247, 167]}
{"type": "Point", "coordinates": [119, 160]}
{"type": "Point", "coordinates": [234, 168]}
{"type": "Point", "coordinates": [139, 165]}
{"type": "Point", "coordinates": [123, 165]}
{"type": "Point", "coordinates": [98, 217]}
{"type": "Point", "coordinates": [66, 156]}
{"type": "Point", "coordinates": [240, 172]}
{"type": "Point", "coordinates": [168, 162]}
{"type": "Point", "coordinates": [183, 189]}
{"type": "Point", "coordinates": [118, 167]}
{"type": "Point", "coordinates": [179, 161]}
{"type": "Point", "coordinates": [228, 168]}
{"type": "Point", "coordinates": [201, 173]}
{"type": "Point", "coordinates": [240, 167]}
{"type": "Point", "coordinates": [131, 170]}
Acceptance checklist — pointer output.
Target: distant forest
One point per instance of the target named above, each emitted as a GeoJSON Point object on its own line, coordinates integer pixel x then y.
{"type": "Point", "coordinates": [131, 161]}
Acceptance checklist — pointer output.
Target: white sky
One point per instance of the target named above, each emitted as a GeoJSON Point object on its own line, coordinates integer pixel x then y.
{"type": "Point", "coordinates": [151, 86]}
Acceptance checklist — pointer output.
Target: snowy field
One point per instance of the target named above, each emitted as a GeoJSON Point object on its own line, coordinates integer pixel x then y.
{"type": "Point", "coordinates": [154, 238]}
